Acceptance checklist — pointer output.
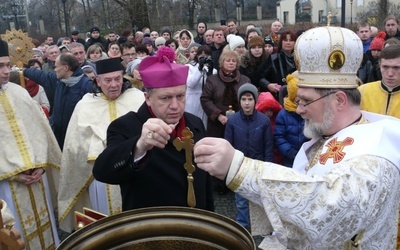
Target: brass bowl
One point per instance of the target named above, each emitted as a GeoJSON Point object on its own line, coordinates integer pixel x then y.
{"type": "Point", "coordinates": [159, 228]}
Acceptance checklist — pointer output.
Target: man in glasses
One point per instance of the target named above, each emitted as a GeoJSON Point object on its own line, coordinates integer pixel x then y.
{"type": "Point", "coordinates": [128, 53]}
{"type": "Point", "coordinates": [343, 190]}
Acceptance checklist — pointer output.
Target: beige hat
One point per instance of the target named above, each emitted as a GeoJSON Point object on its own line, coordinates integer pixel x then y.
{"type": "Point", "coordinates": [328, 57]}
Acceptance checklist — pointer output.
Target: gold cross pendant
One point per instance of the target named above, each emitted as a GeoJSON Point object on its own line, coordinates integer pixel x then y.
{"type": "Point", "coordinates": [187, 144]}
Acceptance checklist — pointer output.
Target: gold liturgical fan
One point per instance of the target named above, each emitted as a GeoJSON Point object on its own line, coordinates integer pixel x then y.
{"type": "Point", "coordinates": [20, 49]}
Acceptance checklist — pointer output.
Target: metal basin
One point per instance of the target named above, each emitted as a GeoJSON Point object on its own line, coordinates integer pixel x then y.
{"type": "Point", "coordinates": [177, 228]}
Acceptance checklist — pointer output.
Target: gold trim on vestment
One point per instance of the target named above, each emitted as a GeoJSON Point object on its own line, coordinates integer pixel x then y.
{"type": "Point", "coordinates": [83, 189]}
{"type": "Point", "coordinates": [27, 164]}
{"type": "Point", "coordinates": [25, 220]}
{"type": "Point", "coordinates": [112, 107]}
{"type": "Point", "coordinates": [241, 174]}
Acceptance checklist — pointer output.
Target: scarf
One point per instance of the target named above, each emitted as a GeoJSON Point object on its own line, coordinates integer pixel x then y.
{"type": "Point", "coordinates": [32, 87]}
{"type": "Point", "coordinates": [177, 132]}
{"type": "Point", "coordinates": [230, 94]}
{"type": "Point", "coordinates": [71, 81]}
{"type": "Point", "coordinates": [290, 65]}
{"type": "Point", "coordinates": [111, 55]}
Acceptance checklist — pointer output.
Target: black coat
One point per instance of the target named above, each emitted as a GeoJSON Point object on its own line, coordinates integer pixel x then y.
{"type": "Point", "coordinates": [160, 178]}
{"type": "Point", "coordinates": [281, 66]}
{"type": "Point", "coordinates": [262, 76]}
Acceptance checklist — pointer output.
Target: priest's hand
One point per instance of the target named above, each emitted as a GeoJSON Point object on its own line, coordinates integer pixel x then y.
{"type": "Point", "coordinates": [155, 133]}
{"type": "Point", "coordinates": [214, 155]}
{"type": "Point", "coordinates": [30, 176]}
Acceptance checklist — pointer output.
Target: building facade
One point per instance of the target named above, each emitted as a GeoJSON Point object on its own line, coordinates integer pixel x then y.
{"type": "Point", "coordinates": [316, 11]}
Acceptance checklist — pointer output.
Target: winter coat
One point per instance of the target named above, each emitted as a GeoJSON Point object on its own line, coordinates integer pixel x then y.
{"type": "Point", "coordinates": [212, 101]}
{"type": "Point", "coordinates": [101, 40]}
{"type": "Point", "coordinates": [288, 135]}
{"type": "Point", "coordinates": [251, 134]}
{"type": "Point", "coordinates": [262, 75]}
{"type": "Point", "coordinates": [282, 67]}
{"type": "Point", "coordinates": [159, 179]}
{"type": "Point", "coordinates": [65, 97]}
{"type": "Point", "coordinates": [365, 69]}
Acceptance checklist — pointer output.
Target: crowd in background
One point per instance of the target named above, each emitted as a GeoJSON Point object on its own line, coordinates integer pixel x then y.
{"type": "Point", "coordinates": [251, 74]}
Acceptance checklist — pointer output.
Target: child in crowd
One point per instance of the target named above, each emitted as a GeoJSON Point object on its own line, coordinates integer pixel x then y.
{"type": "Point", "coordinates": [268, 105]}
{"type": "Point", "coordinates": [288, 132]}
{"type": "Point", "coordinates": [250, 132]}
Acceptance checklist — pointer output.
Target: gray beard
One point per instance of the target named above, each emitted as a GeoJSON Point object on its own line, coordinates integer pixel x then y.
{"type": "Point", "coordinates": [317, 130]}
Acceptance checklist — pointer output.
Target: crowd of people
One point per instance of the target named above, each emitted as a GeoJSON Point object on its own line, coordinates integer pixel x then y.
{"type": "Point", "coordinates": [109, 109]}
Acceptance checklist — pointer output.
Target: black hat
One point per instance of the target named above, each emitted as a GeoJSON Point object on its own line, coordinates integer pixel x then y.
{"type": "Point", "coordinates": [94, 29]}
{"type": "Point", "coordinates": [3, 48]}
{"type": "Point", "coordinates": [268, 40]}
{"type": "Point", "coordinates": [108, 65]}
{"type": "Point", "coordinates": [75, 32]}
{"type": "Point", "coordinates": [166, 30]}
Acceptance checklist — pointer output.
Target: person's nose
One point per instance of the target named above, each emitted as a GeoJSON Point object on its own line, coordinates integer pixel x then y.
{"type": "Point", "coordinates": [174, 103]}
{"type": "Point", "coordinates": [300, 110]}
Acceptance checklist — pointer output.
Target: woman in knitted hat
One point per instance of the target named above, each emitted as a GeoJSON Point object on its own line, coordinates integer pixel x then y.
{"type": "Point", "coordinates": [182, 52]}
{"type": "Point", "coordinates": [149, 45]}
{"type": "Point", "coordinates": [258, 66]}
{"type": "Point", "coordinates": [269, 45]}
{"type": "Point", "coordinates": [236, 43]}
{"type": "Point", "coordinates": [374, 52]}
{"type": "Point", "coordinates": [284, 58]}
{"type": "Point", "coordinates": [288, 132]}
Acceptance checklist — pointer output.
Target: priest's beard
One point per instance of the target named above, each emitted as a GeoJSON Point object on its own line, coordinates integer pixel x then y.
{"type": "Point", "coordinates": [316, 130]}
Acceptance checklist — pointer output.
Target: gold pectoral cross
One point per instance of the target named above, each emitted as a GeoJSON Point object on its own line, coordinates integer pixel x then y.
{"type": "Point", "coordinates": [187, 144]}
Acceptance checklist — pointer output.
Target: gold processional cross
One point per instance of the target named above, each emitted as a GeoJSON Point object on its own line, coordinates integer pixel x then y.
{"type": "Point", "coordinates": [187, 144]}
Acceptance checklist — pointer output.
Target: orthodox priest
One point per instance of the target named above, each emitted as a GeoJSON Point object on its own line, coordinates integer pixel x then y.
{"type": "Point", "coordinates": [29, 161]}
{"type": "Point", "coordinates": [343, 190]}
{"type": "Point", "coordinates": [86, 139]}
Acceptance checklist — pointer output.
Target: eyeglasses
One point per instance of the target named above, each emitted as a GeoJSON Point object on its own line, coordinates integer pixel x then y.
{"type": "Point", "coordinates": [130, 55]}
{"type": "Point", "coordinates": [304, 106]}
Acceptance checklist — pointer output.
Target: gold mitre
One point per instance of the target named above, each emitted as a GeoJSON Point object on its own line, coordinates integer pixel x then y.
{"type": "Point", "coordinates": [328, 57]}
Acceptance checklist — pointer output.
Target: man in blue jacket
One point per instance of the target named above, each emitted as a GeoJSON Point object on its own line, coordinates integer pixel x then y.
{"type": "Point", "coordinates": [68, 84]}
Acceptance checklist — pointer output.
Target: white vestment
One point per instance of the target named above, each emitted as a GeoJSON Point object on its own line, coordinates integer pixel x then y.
{"type": "Point", "coordinates": [84, 141]}
{"type": "Point", "coordinates": [352, 190]}
{"type": "Point", "coordinates": [27, 142]}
